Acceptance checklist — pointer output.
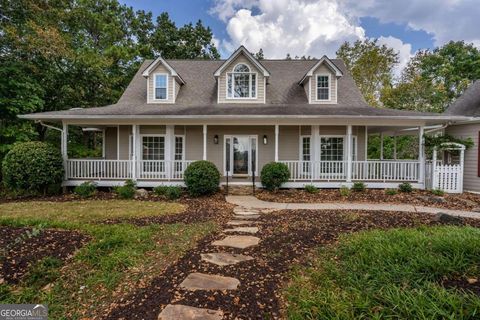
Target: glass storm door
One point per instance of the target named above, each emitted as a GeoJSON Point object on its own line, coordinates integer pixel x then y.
{"type": "Point", "coordinates": [240, 155]}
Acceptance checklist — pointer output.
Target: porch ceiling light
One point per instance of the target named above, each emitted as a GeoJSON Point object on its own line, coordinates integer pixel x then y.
{"type": "Point", "coordinates": [265, 139]}
{"type": "Point", "coordinates": [215, 139]}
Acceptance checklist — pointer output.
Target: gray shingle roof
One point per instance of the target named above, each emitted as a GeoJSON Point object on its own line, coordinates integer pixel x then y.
{"type": "Point", "coordinates": [284, 95]}
{"type": "Point", "coordinates": [468, 104]}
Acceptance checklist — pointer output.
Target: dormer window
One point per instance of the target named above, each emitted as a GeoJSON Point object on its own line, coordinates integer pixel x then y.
{"type": "Point", "coordinates": [241, 83]}
{"type": "Point", "coordinates": [161, 86]}
{"type": "Point", "coordinates": [323, 87]}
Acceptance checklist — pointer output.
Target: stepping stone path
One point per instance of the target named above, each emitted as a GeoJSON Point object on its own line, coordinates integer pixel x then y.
{"type": "Point", "coordinates": [240, 242]}
{"type": "Point", "coordinates": [224, 258]}
{"type": "Point", "coordinates": [243, 229]}
{"type": "Point", "coordinates": [178, 311]}
{"type": "Point", "coordinates": [200, 281]}
{"type": "Point", "coordinates": [239, 222]}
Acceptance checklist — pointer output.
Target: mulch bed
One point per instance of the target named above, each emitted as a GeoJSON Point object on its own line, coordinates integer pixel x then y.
{"type": "Point", "coordinates": [463, 285]}
{"type": "Point", "coordinates": [464, 201]}
{"type": "Point", "coordinates": [19, 251]}
{"type": "Point", "coordinates": [287, 239]}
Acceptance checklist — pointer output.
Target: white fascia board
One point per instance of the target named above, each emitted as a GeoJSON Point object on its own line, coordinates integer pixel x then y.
{"type": "Point", "coordinates": [154, 64]}
{"type": "Point", "coordinates": [330, 64]}
{"type": "Point", "coordinates": [249, 56]}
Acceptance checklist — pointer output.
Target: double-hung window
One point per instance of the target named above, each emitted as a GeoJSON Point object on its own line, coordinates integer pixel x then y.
{"type": "Point", "coordinates": [241, 83]}
{"type": "Point", "coordinates": [161, 86]}
{"type": "Point", "coordinates": [305, 156]}
{"type": "Point", "coordinates": [153, 153]}
{"type": "Point", "coordinates": [323, 87]}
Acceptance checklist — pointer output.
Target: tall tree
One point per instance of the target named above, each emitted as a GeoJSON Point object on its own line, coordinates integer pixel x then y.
{"type": "Point", "coordinates": [186, 42]}
{"type": "Point", "coordinates": [434, 78]}
{"type": "Point", "coordinates": [370, 65]}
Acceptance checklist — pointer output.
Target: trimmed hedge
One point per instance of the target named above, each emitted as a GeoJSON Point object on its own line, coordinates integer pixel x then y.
{"type": "Point", "coordinates": [273, 175]}
{"type": "Point", "coordinates": [33, 167]}
{"type": "Point", "coordinates": [202, 178]}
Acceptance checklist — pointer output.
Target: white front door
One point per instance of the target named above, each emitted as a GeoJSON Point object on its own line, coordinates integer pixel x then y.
{"type": "Point", "coordinates": [240, 157]}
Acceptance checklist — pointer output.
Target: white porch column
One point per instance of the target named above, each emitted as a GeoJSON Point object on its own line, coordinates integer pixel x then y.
{"type": "Point", "coordinates": [421, 155]}
{"type": "Point", "coordinates": [169, 149]}
{"type": "Point", "coordinates": [135, 152]}
{"type": "Point", "coordinates": [315, 151]}
{"type": "Point", "coordinates": [277, 130]}
{"type": "Point", "coordinates": [204, 142]}
{"type": "Point", "coordinates": [349, 153]}
{"type": "Point", "coordinates": [63, 147]}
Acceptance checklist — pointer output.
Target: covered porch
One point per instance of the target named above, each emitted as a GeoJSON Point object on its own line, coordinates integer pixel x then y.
{"type": "Point", "coordinates": [324, 155]}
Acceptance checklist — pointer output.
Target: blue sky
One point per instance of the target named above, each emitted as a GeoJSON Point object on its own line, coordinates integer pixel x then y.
{"type": "Point", "coordinates": [317, 27]}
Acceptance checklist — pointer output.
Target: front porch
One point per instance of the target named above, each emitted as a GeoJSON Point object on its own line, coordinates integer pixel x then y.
{"type": "Point", "coordinates": [326, 156]}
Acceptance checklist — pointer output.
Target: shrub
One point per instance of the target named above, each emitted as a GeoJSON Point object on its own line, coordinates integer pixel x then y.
{"type": "Point", "coordinates": [86, 189]}
{"type": "Point", "coordinates": [311, 188]}
{"type": "Point", "coordinates": [438, 192]}
{"type": "Point", "coordinates": [202, 178]}
{"type": "Point", "coordinates": [33, 167]}
{"type": "Point", "coordinates": [273, 175]}
{"type": "Point", "coordinates": [358, 186]}
{"type": "Point", "coordinates": [344, 191]}
{"type": "Point", "coordinates": [390, 192]}
{"type": "Point", "coordinates": [170, 192]}
{"type": "Point", "coordinates": [127, 191]}
{"type": "Point", "coordinates": [405, 187]}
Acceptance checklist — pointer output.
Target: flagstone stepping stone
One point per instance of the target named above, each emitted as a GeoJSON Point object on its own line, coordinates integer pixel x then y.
{"type": "Point", "coordinates": [246, 213]}
{"type": "Point", "coordinates": [249, 217]}
{"type": "Point", "coordinates": [181, 312]}
{"type": "Point", "coordinates": [239, 222]}
{"type": "Point", "coordinates": [240, 242]}
{"type": "Point", "coordinates": [201, 281]}
{"type": "Point", "coordinates": [224, 258]}
{"type": "Point", "coordinates": [243, 229]}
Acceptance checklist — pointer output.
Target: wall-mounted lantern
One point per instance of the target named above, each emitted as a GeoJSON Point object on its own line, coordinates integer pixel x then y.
{"type": "Point", "coordinates": [215, 139]}
{"type": "Point", "coordinates": [265, 139]}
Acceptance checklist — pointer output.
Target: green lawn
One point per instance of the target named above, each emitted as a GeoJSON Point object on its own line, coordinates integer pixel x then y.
{"type": "Point", "coordinates": [111, 264]}
{"type": "Point", "coordinates": [392, 274]}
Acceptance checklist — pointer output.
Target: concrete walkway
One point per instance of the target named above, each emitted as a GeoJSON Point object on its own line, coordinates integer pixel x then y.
{"type": "Point", "coordinates": [251, 202]}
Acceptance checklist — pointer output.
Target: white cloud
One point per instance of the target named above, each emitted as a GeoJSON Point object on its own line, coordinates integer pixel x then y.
{"type": "Point", "coordinates": [298, 27]}
{"type": "Point", "coordinates": [404, 51]}
{"type": "Point", "coordinates": [445, 19]}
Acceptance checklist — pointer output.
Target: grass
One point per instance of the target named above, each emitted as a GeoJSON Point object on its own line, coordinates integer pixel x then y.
{"type": "Point", "coordinates": [86, 211]}
{"type": "Point", "coordinates": [118, 257]}
{"type": "Point", "coordinates": [390, 274]}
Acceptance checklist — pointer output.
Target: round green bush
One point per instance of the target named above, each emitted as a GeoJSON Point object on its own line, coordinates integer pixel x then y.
{"type": "Point", "coordinates": [202, 178]}
{"type": "Point", "coordinates": [32, 167]}
{"type": "Point", "coordinates": [86, 189]}
{"type": "Point", "coordinates": [273, 175]}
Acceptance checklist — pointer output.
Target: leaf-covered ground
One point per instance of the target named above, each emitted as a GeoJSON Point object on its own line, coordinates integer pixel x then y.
{"type": "Point", "coordinates": [288, 237]}
{"type": "Point", "coordinates": [464, 201]}
{"type": "Point", "coordinates": [109, 259]}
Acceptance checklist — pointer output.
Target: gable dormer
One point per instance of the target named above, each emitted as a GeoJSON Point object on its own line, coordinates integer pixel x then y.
{"type": "Point", "coordinates": [321, 82]}
{"type": "Point", "coordinates": [241, 79]}
{"type": "Point", "coordinates": [163, 82]}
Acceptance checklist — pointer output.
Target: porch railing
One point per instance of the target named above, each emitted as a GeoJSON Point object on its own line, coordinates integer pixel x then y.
{"type": "Point", "coordinates": [100, 169]}
{"type": "Point", "coordinates": [361, 170]}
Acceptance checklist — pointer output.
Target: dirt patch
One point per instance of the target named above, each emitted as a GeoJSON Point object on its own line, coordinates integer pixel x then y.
{"type": "Point", "coordinates": [22, 247]}
{"type": "Point", "coordinates": [472, 286]}
{"type": "Point", "coordinates": [197, 210]}
{"type": "Point", "coordinates": [465, 201]}
{"type": "Point", "coordinates": [287, 239]}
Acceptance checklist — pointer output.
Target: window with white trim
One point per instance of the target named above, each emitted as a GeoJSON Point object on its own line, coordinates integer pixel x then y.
{"type": "Point", "coordinates": [305, 154]}
{"type": "Point", "coordinates": [161, 87]}
{"type": "Point", "coordinates": [178, 148]}
{"type": "Point", "coordinates": [323, 87]}
{"type": "Point", "coordinates": [153, 148]}
{"type": "Point", "coordinates": [241, 83]}
{"type": "Point", "coordinates": [331, 148]}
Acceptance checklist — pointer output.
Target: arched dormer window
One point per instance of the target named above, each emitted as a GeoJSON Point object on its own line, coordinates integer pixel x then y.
{"type": "Point", "coordinates": [241, 83]}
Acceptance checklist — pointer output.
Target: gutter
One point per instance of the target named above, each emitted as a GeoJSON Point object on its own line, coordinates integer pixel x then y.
{"type": "Point", "coordinates": [48, 126]}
